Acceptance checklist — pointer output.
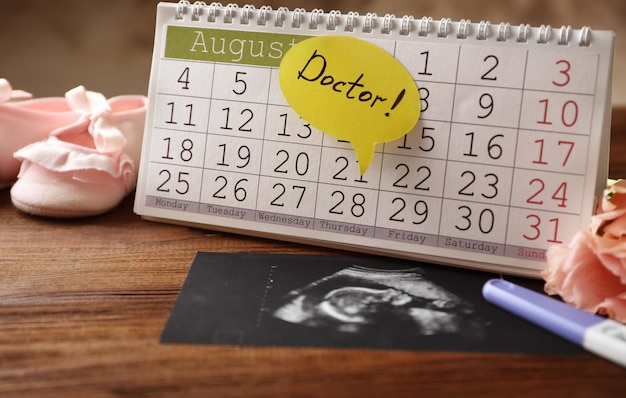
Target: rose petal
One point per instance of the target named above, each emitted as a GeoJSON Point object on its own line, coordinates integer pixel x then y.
{"type": "Point", "coordinates": [600, 221]}
{"type": "Point", "coordinates": [614, 308]}
{"type": "Point", "coordinates": [579, 276]}
{"type": "Point", "coordinates": [612, 255]}
{"type": "Point", "coordinates": [617, 195]}
{"type": "Point", "coordinates": [616, 228]}
{"type": "Point", "coordinates": [562, 261]}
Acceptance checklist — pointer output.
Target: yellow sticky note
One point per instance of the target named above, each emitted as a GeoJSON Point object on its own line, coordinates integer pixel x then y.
{"type": "Point", "coordinates": [352, 90]}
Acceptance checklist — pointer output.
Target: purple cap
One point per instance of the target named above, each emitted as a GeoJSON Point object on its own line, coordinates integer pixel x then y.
{"type": "Point", "coordinates": [554, 315]}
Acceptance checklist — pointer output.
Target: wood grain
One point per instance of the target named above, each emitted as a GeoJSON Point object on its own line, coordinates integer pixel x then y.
{"type": "Point", "coordinates": [83, 302]}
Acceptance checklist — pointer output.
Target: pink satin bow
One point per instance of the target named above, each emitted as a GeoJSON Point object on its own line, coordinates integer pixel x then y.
{"type": "Point", "coordinates": [95, 118]}
{"type": "Point", "coordinates": [7, 93]}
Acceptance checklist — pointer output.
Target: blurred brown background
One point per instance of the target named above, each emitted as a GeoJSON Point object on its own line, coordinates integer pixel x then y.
{"type": "Point", "coordinates": [49, 47]}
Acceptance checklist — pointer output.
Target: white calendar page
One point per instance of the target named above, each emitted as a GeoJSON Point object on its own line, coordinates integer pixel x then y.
{"type": "Point", "coordinates": [507, 158]}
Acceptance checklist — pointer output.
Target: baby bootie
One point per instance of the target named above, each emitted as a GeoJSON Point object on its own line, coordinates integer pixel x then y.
{"type": "Point", "coordinates": [87, 167]}
{"type": "Point", "coordinates": [24, 122]}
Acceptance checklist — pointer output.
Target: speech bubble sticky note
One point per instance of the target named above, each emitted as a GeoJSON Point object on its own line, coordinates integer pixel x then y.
{"type": "Point", "coordinates": [352, 90]}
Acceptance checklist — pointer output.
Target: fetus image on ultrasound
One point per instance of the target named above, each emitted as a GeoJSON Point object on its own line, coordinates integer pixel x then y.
{"type": "Point", "coordinates": [358, 300]}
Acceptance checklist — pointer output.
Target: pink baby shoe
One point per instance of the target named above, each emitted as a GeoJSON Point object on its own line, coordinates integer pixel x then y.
{"type": "Point", "coordinates": [25, 122]}
{"type": "Point", "coordinates": [85, 168]}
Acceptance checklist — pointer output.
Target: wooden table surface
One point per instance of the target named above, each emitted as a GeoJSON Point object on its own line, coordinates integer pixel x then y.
{"type": "Point", "coordinates": [83, 302]}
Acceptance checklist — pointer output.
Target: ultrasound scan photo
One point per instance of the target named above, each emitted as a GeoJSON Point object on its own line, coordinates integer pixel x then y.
{"type": "Point", "coordinates": [358, 300]}
{"type": "Point", "coordinates": [352, 301]}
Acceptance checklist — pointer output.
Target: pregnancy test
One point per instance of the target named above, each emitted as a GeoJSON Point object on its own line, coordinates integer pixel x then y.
{"type": "Point", "coordinates": [604, 337]}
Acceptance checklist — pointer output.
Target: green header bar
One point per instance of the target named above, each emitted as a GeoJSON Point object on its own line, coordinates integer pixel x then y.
{"type": "Point", "coordinates": [229, 46]}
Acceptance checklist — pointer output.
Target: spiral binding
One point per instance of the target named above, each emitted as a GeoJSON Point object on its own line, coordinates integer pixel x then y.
{"type": "Point", "coordinates": [299, 18]}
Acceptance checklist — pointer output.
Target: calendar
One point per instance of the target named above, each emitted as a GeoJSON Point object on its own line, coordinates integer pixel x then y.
{"type": "Point", "coordinates": [507, 158]}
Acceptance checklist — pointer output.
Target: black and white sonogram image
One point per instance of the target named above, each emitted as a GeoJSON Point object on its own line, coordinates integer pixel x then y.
{"type": "Point", "coordinates": [346, 302]}
{"type": "Point", "coordinates": [358, 300]}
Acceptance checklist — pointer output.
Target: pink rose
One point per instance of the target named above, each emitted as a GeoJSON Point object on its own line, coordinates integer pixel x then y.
{"type": "Point", "coordinates": [590, 273]}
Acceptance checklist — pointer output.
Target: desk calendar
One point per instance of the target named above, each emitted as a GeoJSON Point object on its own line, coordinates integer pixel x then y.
{"type": "Point", "coordinates": [507, 158]}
